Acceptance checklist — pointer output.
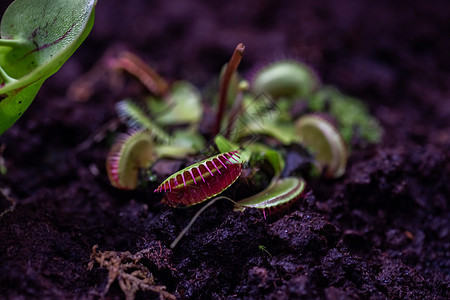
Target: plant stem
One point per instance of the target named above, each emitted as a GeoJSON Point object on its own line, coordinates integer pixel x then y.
{"type": "Point", "coordinates": [231, 68]}
{"type": "Point", "coordinates": [194, 218]}
{"type": "Point", "coordinates": [137, 67]}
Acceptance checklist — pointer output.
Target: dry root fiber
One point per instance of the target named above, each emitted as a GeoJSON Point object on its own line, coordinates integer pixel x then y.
{"type": "Point", "coordinates": [128, 270]}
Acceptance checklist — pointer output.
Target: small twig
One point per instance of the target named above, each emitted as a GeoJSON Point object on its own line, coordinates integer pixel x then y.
{"type": "Point", "coordinates": [231, 68]}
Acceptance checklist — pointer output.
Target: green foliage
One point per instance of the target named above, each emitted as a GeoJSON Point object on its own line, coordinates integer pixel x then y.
{"type": "Point", "coordinates": [259, 119]}
{"type": "Point", "coordinates": [287, 81]}
{"type": "Point", "coordinates": [351, 114]}
{"type": "Point", "coordinates": [224, 145]}
{"type": "Point", "coordinates": [262, 116]}
{"type": "Point", "coordinates": [37, 38]}
{"type": "Point", "coordinates": [261, 153]}
{"type": "Point", "coordinates": [285, 78]}
{"type": "Point", "coordinates": [148, 142]}
{"type": "Point", "coordinates": [323, 140]}
{"type": "Point", "coordinates": [182, 143]}
{"type": "Point", "coordinates": [182, 105]}
{"type": "Point", "coordinates": [136, 118]}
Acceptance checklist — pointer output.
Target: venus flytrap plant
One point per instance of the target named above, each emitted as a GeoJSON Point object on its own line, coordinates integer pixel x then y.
{"type": "Point", "coordinates": [280, 194]}
{"type": "Point", "coordinates": [210, 177]}
{"type": "Point", "coordinates": [168, 103]}
{"type": "Point", "coordinates": [147, 142]}
{"type": "Point", "coordinates": [203, 180]}
{"type": "Point", "coordinates": [181, 97]}
{"type": "Point", "coordinates": [37, 38]}
{"type": "Point", "coordinates": [254, 122]}
{"type": "Point", "coordinates": [260, 119]}
{"type": "Point", "coordinates": [165, 109]}
{"type": "Point", "coordinates": [130, 153]}
{"type": "Point", "coordinates": [287, 81]}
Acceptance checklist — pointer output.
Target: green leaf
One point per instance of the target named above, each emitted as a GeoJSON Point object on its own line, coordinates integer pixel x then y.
{"type": "Point", "coordinates": [37, 38]}
{"type": "Point", "coordinates": [185, 104]}
{"type": "Point", "coordinates": [188, 138]}
{"type": "Point", "coordinates": [351, 114]}
{"type": "Point", "coordinates": [133, 115]}
{"type": "Point", "coordinates": [174, 151]}
{"type": "Point", "coordinates": [262, 116]}
{"type": "Point", "coordinates": [280, 193]}
{"type": "Point", "coordinates": [285, 78]}
{"type": "Point", "coordinates": [224, 145]}
{"type": "Point", "coordinates": [183, 143]}
{"type": "Point", "coordinates": [261, 152]}
{"type": "Point", "coordinates": [276, 160]}
{"type": "Point", "coordinates": [282, 131]}
{"type": "Point", "coordinates": [325, 142]}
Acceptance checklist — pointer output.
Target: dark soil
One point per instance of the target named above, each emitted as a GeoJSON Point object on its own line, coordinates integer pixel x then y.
{"type": "Point", "coordinates": [381, 231]}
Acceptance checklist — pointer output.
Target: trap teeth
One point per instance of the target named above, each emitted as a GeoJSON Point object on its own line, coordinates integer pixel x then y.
{"type": "Point", "coordinates": [210, 181]}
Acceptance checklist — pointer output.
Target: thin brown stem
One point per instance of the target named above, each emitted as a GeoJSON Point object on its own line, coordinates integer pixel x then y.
{"type": "Point", "coordinates": [231, 68]}
{"type": "Point", "coordinates": [137, 67]}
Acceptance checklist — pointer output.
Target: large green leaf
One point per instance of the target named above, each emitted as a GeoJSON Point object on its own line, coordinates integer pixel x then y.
{"type": "Point", "coordinates": [37, 38]}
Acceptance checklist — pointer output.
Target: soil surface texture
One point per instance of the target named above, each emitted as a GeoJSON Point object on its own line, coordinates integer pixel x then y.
{"type": "Point", "coordinates": [382, 231]}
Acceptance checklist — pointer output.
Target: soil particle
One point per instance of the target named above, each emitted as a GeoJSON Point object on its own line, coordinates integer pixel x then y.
{"type": "Point", "coordinates": [304, 233]}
